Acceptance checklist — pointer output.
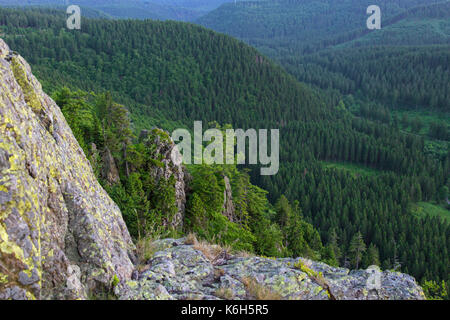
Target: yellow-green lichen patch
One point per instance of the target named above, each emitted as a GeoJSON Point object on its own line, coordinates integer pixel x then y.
{"type": "Point", "coordinates": [15, 159]}
{"type": "Point", "coordinates": [132, 284]}
{"type": "Point", "coordinates": [4, 49]}
{"type": "Point", "coordinates": [8, 247]}
{"type": "Point", "coordinates": [3, 278]}
{"type": "Point", "coordinates": [30, 296]}
{"type": "Point", "coordinates": [20, 74]}
{"type": "Point", "coordinates": [115, 281]}
{"type": "Point", "coordinates": [301, 277]}
{"type": "Point", "coordinates": [97, 272]}
{"type": "Point", "coordinates": [316, 276]}
{"type": "Point", "coordinates": [317, 290]}
{"type": "Point", "coordinates": [24, 200]}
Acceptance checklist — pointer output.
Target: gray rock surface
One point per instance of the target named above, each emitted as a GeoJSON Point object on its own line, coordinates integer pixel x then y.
{"type": "Point", "coordinates": [61, 236]}
{"type": "Point", "coordinates": [163, 148]}
{"type": "Point", "coordinates": [179, 271]}
{"type": "Point", "coordinates": [110, 173]}
{"type": "Point", "coordinates": [228, 206]}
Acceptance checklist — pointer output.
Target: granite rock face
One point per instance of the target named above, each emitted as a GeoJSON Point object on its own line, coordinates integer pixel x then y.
{"type": "Point", "coordinates": [61, 236]}
{"type": "Point", "coordinates": [110, 173]}
{"type": "Point", "coordinates": [228, 206]}
{"type": "Point", "coordinates": [179, 271]}
{"type": "Point", "coordinates": [162, 148]}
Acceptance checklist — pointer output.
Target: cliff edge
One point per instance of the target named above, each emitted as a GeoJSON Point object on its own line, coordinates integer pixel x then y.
{"type": "Point", "coordinates": [181, 269]}
{"type": "Point", "coordinates": [61, 236]}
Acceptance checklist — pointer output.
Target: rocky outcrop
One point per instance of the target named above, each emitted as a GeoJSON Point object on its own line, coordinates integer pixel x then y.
{"type": "Point", "coordinates": [228, 206]}
{"type": "Point", "coordinates": [161, 147]}
{"type": "Point", "coordinates": [61, 236]}
{"type": "Point", "coordinates": [110, 173]}
{"type": "Point", "coordinates": [180, 271]}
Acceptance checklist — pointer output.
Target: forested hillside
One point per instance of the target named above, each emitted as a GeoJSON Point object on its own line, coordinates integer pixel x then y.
{"type": "Point", "coordinates": [132, 9]}
{"type": "Point", "coordinates": [114, 8]}
{"type": "Point", "coordinates": [409, 77]}
{"type": "Point", "coordinates": [383, 68]}
{"type": "Point", "coordinates": [285, 25]}
{"type": "Point", "coordinates": [170, 74]}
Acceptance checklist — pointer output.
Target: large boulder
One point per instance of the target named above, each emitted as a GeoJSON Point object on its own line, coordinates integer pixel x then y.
{"type": "Point", "coordinates": [61, 236]}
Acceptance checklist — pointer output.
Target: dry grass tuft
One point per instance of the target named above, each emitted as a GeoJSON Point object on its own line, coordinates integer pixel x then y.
{"type": "Point", "coordinates": [215, 253]}
{"type": "Point", "coordinates": [224, 293]}
{"type": "Point", "coordinates": [258, 291]}
{"type": "Point", "coordinates": [218, 273]}
{"type": "Point", "coordinates": [145, 249]}
{"type": "Point", "coordinates": [244, 254]}
{"type": "Point", "coordinates": [191, 239]}
{"type": "Point", "coordinates": [211, 251]}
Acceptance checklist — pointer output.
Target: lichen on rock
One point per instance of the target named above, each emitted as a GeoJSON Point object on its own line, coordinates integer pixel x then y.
{"type": "Point", "coordinates": [180, 271]}
{"type": "Point", "coordinates": [61, 236]}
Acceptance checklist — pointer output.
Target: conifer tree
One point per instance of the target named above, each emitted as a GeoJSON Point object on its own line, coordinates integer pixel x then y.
{"type": "Point", "coordinates": [357, 249]}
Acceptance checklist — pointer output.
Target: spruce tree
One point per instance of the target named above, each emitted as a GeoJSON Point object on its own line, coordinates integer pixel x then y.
{"type": "Point", "coordinates": [357, 249]}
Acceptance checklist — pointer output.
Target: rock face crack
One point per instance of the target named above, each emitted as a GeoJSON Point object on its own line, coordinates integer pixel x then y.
{"type": "Point", "coordinates": [71, 243]}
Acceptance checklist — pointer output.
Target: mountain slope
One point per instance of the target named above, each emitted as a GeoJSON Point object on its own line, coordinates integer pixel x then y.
{"type": "Point", "coordinates": [171, 74]}
{"type": "Point", "coordinates": [408, 77]}
{"type": "Point", "coordinates": [423, 25]}
{"type": "Point", "coordinates": [133, 9]}
{"type": "Point", "coordinates": [284, 24]}
{"type": "Point", "coordinates": [156, 67]}
{"type": "Point", "coordinates": [63, 238]}
{"type": "Point", "coordinates": [418, 76]}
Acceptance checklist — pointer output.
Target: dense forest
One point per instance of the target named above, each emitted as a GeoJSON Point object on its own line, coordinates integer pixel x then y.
{"type": "Point", "coordinates": [348, 57]}
{"type": "Point", "coordinates": [412, 77]}
{"type": "Point", "coordinates": [290, 26]}
{"type": "Point", "coordinates": [185, 10]}
{"type": "Point", "coordinates": [169, 74]}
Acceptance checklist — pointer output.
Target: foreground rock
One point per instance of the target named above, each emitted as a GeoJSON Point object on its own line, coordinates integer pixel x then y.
{"type": "Point", "coordinates": [61, 236]}
{"type": "Point", "coordinates": [179, 271]}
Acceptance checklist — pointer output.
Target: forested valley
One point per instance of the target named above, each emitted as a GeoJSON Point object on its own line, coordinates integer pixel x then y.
{"type": "Point", "coordinates": [350, 176]}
